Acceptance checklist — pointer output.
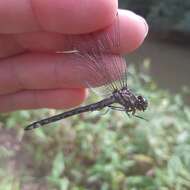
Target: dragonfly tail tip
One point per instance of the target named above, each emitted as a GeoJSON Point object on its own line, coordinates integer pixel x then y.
{"type": "Point", "coordinates": [32, 126]}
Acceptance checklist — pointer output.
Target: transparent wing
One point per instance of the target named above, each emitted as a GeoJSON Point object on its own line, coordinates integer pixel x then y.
{"type": "Point", "coordinates": [105, 69]}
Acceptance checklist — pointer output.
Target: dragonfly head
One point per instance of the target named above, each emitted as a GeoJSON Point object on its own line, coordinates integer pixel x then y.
{"type": "Point", "coordinates": [141, 103]}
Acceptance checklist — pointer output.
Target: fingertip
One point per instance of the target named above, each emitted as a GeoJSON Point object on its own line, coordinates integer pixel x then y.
{"type": "Point", "coordinates": [76, 97]}
{"type": "Point", "coordinates": [134, 30]}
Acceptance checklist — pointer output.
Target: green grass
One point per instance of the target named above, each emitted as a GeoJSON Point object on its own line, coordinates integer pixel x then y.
{"type": "Point", "coordinates": [103, 152]}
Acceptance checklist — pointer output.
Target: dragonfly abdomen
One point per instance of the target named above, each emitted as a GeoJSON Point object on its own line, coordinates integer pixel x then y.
{"type": "Point", "coordinates": [91, 107]}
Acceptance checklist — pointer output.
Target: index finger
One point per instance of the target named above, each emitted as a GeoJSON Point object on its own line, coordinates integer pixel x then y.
{"type": "Point", "coordinates": [62, 16]}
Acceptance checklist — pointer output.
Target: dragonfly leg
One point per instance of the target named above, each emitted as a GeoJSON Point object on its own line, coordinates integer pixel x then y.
{"type": "Point", "coordinates": [106, 111]}
{"type": "Point", "coordinates": [140, 117]}
{"type": "Point", "coordinates": [133, 111]}
{"type": "Point", "coordinates": [127, 113]}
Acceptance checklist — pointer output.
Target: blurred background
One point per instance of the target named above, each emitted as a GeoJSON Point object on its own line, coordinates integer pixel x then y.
{"type": "Point", "coordinates": [168, 43]}
{"type": "Point", "coordinates": [112, 152]}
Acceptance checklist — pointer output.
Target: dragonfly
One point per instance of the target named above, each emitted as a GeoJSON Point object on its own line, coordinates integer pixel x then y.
{"type": "Point", "coordinates": [94, 49]}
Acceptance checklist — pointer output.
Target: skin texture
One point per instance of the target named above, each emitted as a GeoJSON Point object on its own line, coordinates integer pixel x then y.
{"type": "Point", "coordinates": [32, 74]}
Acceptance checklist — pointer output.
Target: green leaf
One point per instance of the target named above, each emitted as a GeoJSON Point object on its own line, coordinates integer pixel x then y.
{"type": "Point", "coordinates": [58, 165]}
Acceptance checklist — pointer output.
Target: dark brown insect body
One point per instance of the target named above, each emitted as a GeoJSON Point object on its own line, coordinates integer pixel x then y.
{"type": "Point", "coordinates": [124, 97]}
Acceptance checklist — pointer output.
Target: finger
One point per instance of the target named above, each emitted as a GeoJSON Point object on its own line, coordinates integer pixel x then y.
{"type": "Point", "coordinates": [46, 71]}
{"type": "Point", "coordinates": [58, 16]}
{"type": "Point", "coordinates": [9, 46]}
{"type": "Point", "coordinates": [58, 99]}
{"type": "Point", "coordinates": [132, 31]}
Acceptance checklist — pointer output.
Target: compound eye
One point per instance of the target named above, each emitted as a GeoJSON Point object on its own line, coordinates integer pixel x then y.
{"type": "Point", "coordinates": [140, 97]}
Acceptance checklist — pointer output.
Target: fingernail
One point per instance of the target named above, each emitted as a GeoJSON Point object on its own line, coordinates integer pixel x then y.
{"type": "Point", "coordinates": [145, 24]}
{"type": "Point", "coordinates": [141, 20]}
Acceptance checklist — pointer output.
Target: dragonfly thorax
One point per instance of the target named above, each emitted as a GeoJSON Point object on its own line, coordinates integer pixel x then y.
{"type": "Point", "coordinates": [130, 101]}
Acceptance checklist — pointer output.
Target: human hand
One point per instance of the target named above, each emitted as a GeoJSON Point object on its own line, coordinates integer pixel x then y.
{"type": "Point", "coordinates": [33, 31]}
